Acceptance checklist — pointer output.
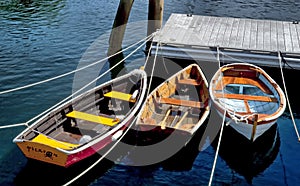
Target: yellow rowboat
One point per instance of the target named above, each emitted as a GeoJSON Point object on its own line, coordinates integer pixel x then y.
{"type": "Point", "coordinates": [85, 125]}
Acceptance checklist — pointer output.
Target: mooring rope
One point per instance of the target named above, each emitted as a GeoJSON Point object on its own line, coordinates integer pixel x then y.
{"type": "Point", "coordinates": [112, 147]}
{"type": "Point", "coordinates": [280, 57]}
{"type": "Point", "coordinates": [74, 71]}
{"type": "Point", "coordinates": [69, 97]}
{"type": "Point", "coordinates": [102, 157]}
{"type": "Point", "coordinates": [152, 71]}
{"type": "Point", "coordinates": [13, 125]}
{"type": "Point", "coordinates": [222, 127]}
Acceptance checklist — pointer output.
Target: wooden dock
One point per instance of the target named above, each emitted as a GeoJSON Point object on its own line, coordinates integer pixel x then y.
{"type": "Point", "coordinates": [249, 40]}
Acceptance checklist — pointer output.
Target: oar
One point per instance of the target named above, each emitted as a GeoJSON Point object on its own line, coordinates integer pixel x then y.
{"type": "Point", "coordinates": [163, 123]}
{"type": "Point", "coordinates": [181, 120]}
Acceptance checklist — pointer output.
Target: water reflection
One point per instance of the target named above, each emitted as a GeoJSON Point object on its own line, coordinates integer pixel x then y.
{"type": "Point", "coordinates": [39, 173]}
{"type": "Point", "coordinates": [246, 158]}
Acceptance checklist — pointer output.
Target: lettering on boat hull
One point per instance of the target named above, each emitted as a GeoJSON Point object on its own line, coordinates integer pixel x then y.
{"type": "Point", "coordinates": [43, 153]}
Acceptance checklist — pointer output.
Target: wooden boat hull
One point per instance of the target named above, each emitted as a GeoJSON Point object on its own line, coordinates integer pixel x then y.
{"type": "Point", "coordinates": [251, 100]}
{"type": "Point", "coordinates": [178, 107]}
{"type": "Point", "coordinates": [52, 138]}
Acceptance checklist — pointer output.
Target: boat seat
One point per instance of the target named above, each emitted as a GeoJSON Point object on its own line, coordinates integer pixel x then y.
{"type": "Point", "coordinates": [120, 95]}
{"type": "Point", "coordinates": [187, 103]}
{"type": "Point", "coordinates": [190, 82]}
{"type": "Point", "coordinates": [42, 139]}
{"type": "Point", "coordinates": [94, 118]}
{"type": "Point", "coordinates": [246, 97]}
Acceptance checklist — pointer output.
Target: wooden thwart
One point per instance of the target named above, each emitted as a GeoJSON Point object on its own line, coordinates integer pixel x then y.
{"type": "Point", "coordinates": [53, 143]}
{"type": "Point", "coordinates": [189, 82]}
{"type": "Point", "coordinates": [93, 118]}
{"type": "Point", "coordinates": [120, 95]}
{"type": "Point", "coordinates": [243, 81]}
{"type": "Point", "coordinates": [181, 102]}
{"type": "Point", "coordinates": [246, 97]}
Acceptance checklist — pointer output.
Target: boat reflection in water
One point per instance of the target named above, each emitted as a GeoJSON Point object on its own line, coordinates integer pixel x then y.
{"type": "Point", "coordinates": [41, 173]}
{"type": "Point", "coordinates": [249, 159]}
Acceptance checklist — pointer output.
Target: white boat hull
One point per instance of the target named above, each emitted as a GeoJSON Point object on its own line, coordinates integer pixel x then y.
{"type": "Point", "coordinates": [246, 129]}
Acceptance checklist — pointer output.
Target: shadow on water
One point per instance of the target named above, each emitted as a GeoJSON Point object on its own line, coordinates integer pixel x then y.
{"type": "Point", "coordinates": [39, 173]}
{"type": "Point", "coordinates": [246, 158]}
{"type": "Point", "coordinates": [182, 159]}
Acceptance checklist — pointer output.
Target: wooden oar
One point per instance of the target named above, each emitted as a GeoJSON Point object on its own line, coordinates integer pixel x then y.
{"type": "Point", "coordinates": [163, 123]}
{"type": "Point", "coordinates": [181, 120]}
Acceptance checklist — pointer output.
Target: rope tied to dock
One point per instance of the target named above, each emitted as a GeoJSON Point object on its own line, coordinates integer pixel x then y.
{"type": "Point", "coordinates": [77, 70]}
{"type": "Point", "coordinates": [280, 58]}
{"type": "Point", "coordinates": [222, 127]}
{"type": "Point", "coordinates": [71, 97]}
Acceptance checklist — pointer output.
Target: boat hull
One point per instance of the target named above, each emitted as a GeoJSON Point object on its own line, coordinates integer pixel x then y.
{"type": "Point", "coordinates": [246, 129]}
{"type": "Point", "coordinates": [45, 153]}
{"type": "Point", "coordinates": [251, 99]}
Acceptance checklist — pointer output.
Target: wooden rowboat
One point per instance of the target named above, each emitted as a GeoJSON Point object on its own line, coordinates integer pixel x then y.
{"type": "Point", "coordinates": [87, 124]}
{"type": "Point", "coordinates": [180, 104]}
{"type": "Point", "coordinates": [251, 99]}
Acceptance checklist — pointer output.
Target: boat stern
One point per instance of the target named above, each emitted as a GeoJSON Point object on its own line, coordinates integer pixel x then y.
{"type": "Point", "coordinates": [41, 152]}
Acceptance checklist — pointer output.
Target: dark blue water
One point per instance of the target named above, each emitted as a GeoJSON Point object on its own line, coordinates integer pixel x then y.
{"type": "Point", "coordinates": [40, 39]}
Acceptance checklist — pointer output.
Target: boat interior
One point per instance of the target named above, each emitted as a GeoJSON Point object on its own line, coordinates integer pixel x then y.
{"type": "Point", "coordinates": [178, 103]}
{"type": "Point", "coordinates": [246, 90]}
{"type": "Point", "coordinates": [90, 115]}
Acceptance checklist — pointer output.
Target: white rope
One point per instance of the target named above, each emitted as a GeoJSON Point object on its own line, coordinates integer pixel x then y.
{"type": "Point", "coordinates": [287, 98]}
{"type": "Point", "coordinates": [74, 71]}
{"type": "Point", "coordinates": [238, 60]}
{"type": "Point", "coordinates": [64, 100]}
{"type": "Point", "coordinates": [148, 55]}
{"type": "Point", "coordinates": [222, 127]}
{"type": "Point", "coordinates": [107, 152]}
{"type": "Point", "coordinates": [102, 157]}
{"type": "Point", "coordinates": [151, 76]}
{"type": "Point", "coordinates": [239, 118]}
{"type": "Point", "coordinates": [13, 125]}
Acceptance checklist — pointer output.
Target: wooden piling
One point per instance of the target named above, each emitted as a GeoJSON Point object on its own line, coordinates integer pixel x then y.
{"type": "Point", "coordinates": [119, 26]}
{"type": "Point", "coordinates": [155, 17]}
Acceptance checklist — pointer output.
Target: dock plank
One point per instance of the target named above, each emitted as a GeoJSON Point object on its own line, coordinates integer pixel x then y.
{"type": "Point", "coordinates": [273, 36]}
{"type": "Point", "coordinates": [221, 32]}
{"type": "Point", "coordinates": [228, 32]}
{"type": "Point", "coordinates": [253, 34]}
{"type": "Point", "coordinates": [280, 36]}
{"type": "Point", "coordinates": [246, 39]}
{"type": "Point", "coordinates": [267, 36]}
{"type": "Point", "coordinates": [234, 33]}
{"type": "Point", "coordinates": [205, 24]}
{"type": "Point", "coordinates": [287, 37]}
{"type": "Point", "coordinates": [215, 31]}
{"type": "Point", "coordinates": [294, 37]}
{"type": "Point", "coordinates": [298, 33]}
{"type": "Point", "coordinates": [241, 33]}
{"type": "Point", "coordinates": [209, 30]}
{"type": "Point", "coordinates": [260, 35]}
